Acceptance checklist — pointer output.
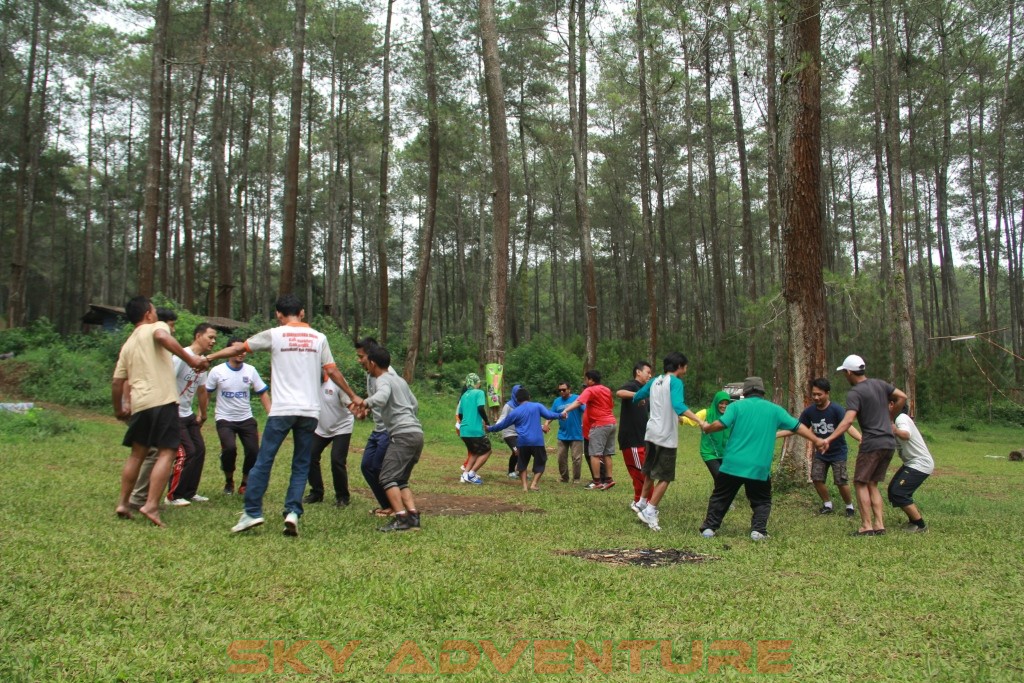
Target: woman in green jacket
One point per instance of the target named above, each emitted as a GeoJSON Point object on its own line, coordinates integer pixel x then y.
{"type": "Point", "coordinates": [712, 446]}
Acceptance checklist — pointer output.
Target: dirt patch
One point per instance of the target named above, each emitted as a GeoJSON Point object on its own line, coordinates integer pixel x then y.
{"type": "Point", "coordinates": [12, 374]}
{"type": "Point", "coordinates": [458, 506]}
{"type": "Point", "coordinates": [642, 557]}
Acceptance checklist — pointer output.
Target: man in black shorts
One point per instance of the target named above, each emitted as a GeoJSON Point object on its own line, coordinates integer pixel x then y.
{"type": "Point", "coordinates": [145, 364]}
{"type": "Point", "coordinates": [869, 402]}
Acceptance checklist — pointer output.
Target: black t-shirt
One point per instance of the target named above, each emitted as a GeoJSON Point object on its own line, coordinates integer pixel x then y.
{"type": "Point", "coordinates": [633, 418]}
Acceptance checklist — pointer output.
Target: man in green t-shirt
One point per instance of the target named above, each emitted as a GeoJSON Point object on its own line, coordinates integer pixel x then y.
{"type": "Point", "coordinates": [748, 457]}
{"type": "Point", "coordinates": [472, 415]}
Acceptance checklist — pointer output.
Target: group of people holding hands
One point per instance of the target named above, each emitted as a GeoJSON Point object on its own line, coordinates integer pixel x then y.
{"type": "Point", "coordinates": [313, 402]}
{"type": "Point", "coordinates": [737, 443]}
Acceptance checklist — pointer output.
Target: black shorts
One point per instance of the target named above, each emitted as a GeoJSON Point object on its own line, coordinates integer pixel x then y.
{"type": "Point", "coordinates": [539, 455]}
{"type": "Point", "coordinates": [477, 445]}
{"type": "Point", "coordinates": [903, 484]}
{"type": "Point", "coordinates": [154, 428]}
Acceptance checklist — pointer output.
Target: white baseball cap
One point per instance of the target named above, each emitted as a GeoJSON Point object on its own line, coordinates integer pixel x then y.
{"type": "Point", "coordinates": [853, 363]}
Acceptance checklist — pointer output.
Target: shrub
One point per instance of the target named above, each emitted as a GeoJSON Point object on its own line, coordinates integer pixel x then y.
{"type": "Point", "coordinates": [67, 377]}
{"type": "Point", "coordinates": [539, 366]}
{"type": "Point", "coordinates": [38, 334]}
{"type": "Point", "coordinates": [37, 423]}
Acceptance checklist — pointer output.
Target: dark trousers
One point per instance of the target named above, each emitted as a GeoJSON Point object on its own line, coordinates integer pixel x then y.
{"type": "Point", "coordinates": [759, 493]}
{"type": "Point", "coordinates": [188, 465]}
{"type": "Point", "coordinates": [512, 442]}
{"type": "Point", "coordinates": [373, 457]}
{"type": "Point", "coordinates": [248, 433]}
{"type": "Point", "coordinates": [339, 468]}
{"type": "Point", "coordinates": [713, 467]}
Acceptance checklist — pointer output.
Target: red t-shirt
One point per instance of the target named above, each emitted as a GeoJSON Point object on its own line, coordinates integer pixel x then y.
{"type": "Point", "coordinates": [600, 405]}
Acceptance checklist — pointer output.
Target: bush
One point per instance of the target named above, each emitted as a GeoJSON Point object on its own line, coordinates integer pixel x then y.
{"type": "Point", "coordinates": [539, 366]}
{"type": "Point", "coordinates": [38, 334]}
{"type": "Point", "coordinates": [68, 377]}
{"type": "Point", "coordinates": [1009, 413]}
{"type": "Point", "coordinates": [37, 423]}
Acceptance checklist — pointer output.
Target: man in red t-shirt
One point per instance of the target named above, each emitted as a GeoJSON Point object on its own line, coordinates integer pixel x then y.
{"type": "Point", "coordinates": [600, 406]}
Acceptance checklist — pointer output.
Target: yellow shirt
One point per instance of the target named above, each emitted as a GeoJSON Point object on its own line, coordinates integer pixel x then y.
{"type": "Point", "coordinates": [147, 367]}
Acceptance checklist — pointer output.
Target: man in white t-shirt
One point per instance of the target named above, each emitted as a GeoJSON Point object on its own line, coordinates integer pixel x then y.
{"type": "Point", "coordinates": [188, 464]}
{"type": "Point", "coordinates": [298, 356]}
{"type": "Point", "coordinates": [334, 429]}
{"type": "Point", "coordinates": [917, 466]}
{"type": "Point", "coordinates": [231, 385]}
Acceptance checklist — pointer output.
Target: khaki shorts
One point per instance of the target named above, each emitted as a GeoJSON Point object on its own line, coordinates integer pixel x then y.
{"type": "Point", "coordinates": [819, 471]}
{"type": "Point", "coordinates": [660, 463]}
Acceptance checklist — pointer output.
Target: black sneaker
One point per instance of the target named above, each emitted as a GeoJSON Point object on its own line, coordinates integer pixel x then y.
{"type": "Point", "coordinates": [850, 512]}
{"type": "Point", "coordinates": [229, 488]}
{"type": "Point", "coordinates": [313, 498]}
{"type": "Point", "coordinates": [399, 523]}
{"type": "Point", "coordinates": [825, 510]}
{"type": "Point", "coordinates": [414, 521]}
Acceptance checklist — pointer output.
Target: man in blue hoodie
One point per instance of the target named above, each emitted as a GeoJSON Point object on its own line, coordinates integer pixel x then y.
{"type": "Point", "coordinates": [526, 419]}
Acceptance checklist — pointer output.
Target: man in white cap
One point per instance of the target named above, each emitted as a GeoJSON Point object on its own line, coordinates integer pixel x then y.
{"type": "Point", "coordinates": [874, 403]}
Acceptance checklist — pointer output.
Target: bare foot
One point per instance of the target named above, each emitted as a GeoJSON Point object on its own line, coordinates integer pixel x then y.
{"type": "Point", "coordinates": [534, 488]}
{"type": "Point", "coordinates": [123, 512]}
{"type": "Point", "coordinates": [153, 516]}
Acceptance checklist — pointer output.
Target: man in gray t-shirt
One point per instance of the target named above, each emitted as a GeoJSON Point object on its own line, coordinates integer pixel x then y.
{"type": "Point", "coordinates": [869, 403]}
{"type": "Point", "coordinates": [398, 411]}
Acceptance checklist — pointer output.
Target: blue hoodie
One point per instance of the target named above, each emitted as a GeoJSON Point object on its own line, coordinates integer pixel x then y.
{"type": "Point", "coordinates": [526, 417]}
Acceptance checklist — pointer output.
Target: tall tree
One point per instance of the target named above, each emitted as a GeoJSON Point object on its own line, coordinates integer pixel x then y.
{"type": "Point", "coordinates": [291, 170]}
{"type": "Point", "coordinates": [154, 150]}
{"type": "Point", "coordinates": [383, 220]}
{"type": "Point", "coordinates": [578, 126]}
{"type": "Point", "coordinates": [800, 190]}
{"type": "Point", "coordinates": [433, 172]}
{"type": "Point", "coordinates": [645, 181]}
{"type": "Point", "coordinates": [494, 335]}
{"type": "Point", "coordinates": [904, 333]}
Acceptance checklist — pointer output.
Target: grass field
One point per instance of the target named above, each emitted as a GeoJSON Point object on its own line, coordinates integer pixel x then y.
{"type": "Point", "coordinates": [85, 596]}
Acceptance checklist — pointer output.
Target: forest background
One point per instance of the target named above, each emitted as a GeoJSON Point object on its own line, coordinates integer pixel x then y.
{"type": "Point", "coordinates": [583, 183]}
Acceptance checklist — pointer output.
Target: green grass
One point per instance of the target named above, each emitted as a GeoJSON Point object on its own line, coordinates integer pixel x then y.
{"type": "Point", "coordinates": [84, 596]}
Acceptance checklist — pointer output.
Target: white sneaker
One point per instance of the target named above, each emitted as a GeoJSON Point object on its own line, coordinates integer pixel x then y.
{"type": "Point", "coordinates": [757, 536]}
{"type": "Point", "coordinates": [179, 502]}
{"type": "Point", "coordinates": [465, 479]}
{"type": "Point", "coordinates": [513, 475]}
{"type": "Point", "coordinates": [246, 522]}
{"type": "Point", "coordinates": [635, 506]}
{"type": "Point", "coordinates": [291, 524]}
{"type": "Point", "coordinates": [649, 516]}
{"type": "Point", "coordinates": [200, 499]}
{"type": "Point", "coordinates": [708, 533]}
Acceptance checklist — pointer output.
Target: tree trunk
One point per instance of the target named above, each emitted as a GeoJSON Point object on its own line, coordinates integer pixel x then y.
{"type": "Point", "coordinates": [645, 182]}
{"type": "Point", "coordinates": [185, 187]}
{"type": "Point", "coordinates": [154, 154]}
{"type": "Point", "coordinates": [800, 144]}
{"type": "Point", "coordinates": [383, 222]}
{"type": "Point", "coordinates": [25, 191]}
{"type": "Point", "coordinates": [904, 333]}
{"type": "Point", "coordinates": [578, 127]}
{"type": "Point", "coordinates": [87, 236]}
{"type": "Point", "coordinates": [494, 335]}
{"type": "Point", "coordinates": [221, 209]}
{"type": "Point", "coordinates": [749, 258]}
{"type": "Point", "coordinates": [718, 277]}
{"type": "Point", "coordinates": [433, 172]}
{"type": "Point", "coordinates": [291, 172]}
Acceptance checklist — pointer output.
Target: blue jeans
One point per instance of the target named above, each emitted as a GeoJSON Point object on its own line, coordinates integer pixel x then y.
{"type": "Point", "coordinates": [274, 434]}
{"type": "Point", "coordinates": [373, 458]}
